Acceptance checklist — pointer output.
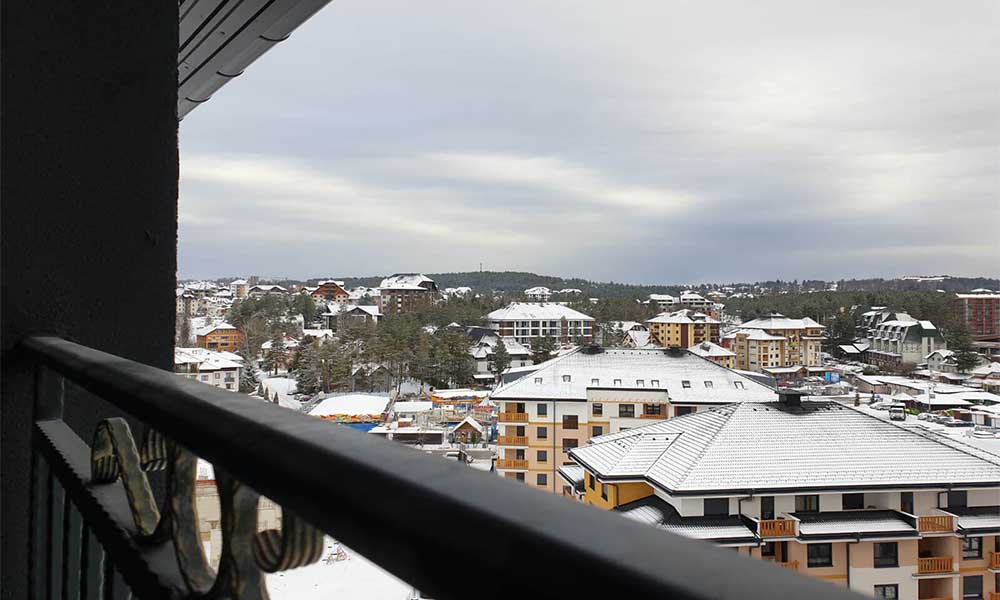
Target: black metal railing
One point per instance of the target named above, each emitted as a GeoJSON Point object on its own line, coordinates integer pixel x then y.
{"type": "Point", "coordinates": [448, 530]}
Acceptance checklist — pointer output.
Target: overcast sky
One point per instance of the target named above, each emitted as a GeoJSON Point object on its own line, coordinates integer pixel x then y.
{"type": "Point", "coordinates": [652, 142]}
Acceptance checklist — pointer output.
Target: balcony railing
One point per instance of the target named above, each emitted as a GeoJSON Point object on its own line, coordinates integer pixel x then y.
{"type": "Point", "coordinates": [991, 596]}
{"type": "Point", "coordinates": [98, 530]}
{"type": "Point", "coordinates": [512, 440]}
{"type": "Point", "coordinates": [935, 564]}
{"type": "Point", "coordinates": [936, 523]}
{"type": "Point", "coordinates": [512, 463]}
{"type": "Point", "coordinates": [512, 417]}
{"type": "Point", "coordinates": [994, 560]}
{"type": "Point", "coordinates": [776, 528]}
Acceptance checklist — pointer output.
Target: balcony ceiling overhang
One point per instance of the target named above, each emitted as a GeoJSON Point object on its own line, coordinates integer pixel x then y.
{"type": "Point", "coordinates": [219, 39]}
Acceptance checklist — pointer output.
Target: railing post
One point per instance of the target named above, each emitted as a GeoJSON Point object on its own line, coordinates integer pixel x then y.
{"type": "Point", "coordinates": [91, 565]}
{"type": "Point", "coordinates": [72, 556]}
{"type": "Point", "coordinates": [46, 526]}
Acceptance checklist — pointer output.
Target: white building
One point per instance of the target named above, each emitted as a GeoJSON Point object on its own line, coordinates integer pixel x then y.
{"type": "Point", "coordinates": [538, 294]}
{"type": "Point", "coordinates": [903, 340]}
{"type": "Point", "coordinates": [527, 322]}
{"type": "Point", "coordinates": [663, 301]}
{"type": "Point", "coordinates": [219, 369]}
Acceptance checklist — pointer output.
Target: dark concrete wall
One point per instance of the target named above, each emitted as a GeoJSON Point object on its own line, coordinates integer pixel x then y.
{"type": "Point", "coordinates": [89, 207]}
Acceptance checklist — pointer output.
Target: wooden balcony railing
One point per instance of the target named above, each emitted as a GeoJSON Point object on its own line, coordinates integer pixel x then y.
{"type": "Point", "coordinates": [776, 528]}
{"type": "Point", "coordinates": [943, 523]}
{"type": "Point", "coordinates": [994, 562]}
{"type": "Point", "coordinates": [512, 417]}
{"type": "Point", "coordinates": [94, 513]}
{"type": "Point", "coordinates": [512, 440]}
{"type": "Point", "coordinates": [512, 463]}
{"type": "Point", "coordinates": [935, 564]}
{"type": "Point", "coordinates": [990, 596]}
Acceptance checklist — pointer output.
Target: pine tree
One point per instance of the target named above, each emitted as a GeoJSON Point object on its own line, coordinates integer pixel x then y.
{"type": "Point", "coordinates": [248, 381]}
{"type": "Point", "coordinates": [308, 370]}
{"type": "Point", "coordinates": [501, 358]}
{"type": "Point", "coordinates": [541, 350]}
{"type": "Point", "coordinates": [276, 355]}
{"type": "Point", "coordinates": [965, 354]}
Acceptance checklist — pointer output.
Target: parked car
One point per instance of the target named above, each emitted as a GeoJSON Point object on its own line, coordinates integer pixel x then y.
{"type": "Point", "coordinates": [897, 413]}
{"type": "Point", "coordinates": [923, 416]}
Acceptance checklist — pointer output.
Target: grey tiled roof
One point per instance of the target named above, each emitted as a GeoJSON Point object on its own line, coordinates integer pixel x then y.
{"type": "Point", "coordinates": [657, 513]}
{"type": "Point", "coordinates": [871, 523]}
{"type": "Point", "coordinates": [771, 446]}
{"type": "Point", "coordinates": [627, 367]}
{"type": "Point", "coordinates": [977, 517]}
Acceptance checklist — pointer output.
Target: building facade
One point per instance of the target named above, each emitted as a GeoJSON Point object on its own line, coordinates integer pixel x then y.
{"type": "Point", "coordinates": [219, 369]}
{"type": "Point", "coordinates": [903, 340]}
{"type": "Point", "coordinates": [776, 341]}
{"type": "Point", "coordinates": [774, 482]}
{"type": "Point", "coordinates": [331, 291]}
{"type": "Point", "coordinates": [683, 329]}
{"type": "Point", "coordinates": [592, 392]}
{"type": "Point", "coordinates": [981, 313]}
{"type": "Point", "coordinates": [528, 322]}
{"type": "Point", "coordinates": [221, 337]}
{"type": "Point", "coordinates": [402, 292]}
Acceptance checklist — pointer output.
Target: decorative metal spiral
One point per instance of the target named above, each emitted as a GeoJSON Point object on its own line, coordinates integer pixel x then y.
{"type": "Point", "coordinates": [246, 554]}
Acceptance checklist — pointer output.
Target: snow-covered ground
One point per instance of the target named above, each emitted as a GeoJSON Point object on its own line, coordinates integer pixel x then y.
{"type": "Point", "coordinates": [285, 388]}
{"type": "Point", "coordinates": [348, 577]}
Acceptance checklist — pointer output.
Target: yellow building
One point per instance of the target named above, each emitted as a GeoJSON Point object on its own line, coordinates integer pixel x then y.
{"type": "Point", "coordinates": [594, 391]}
{"type": "Point", "coordinates": [816, 487]}
{"type": "Point", "coordinates": [776, 341]}
{"type": "Point", "coordinates": [683, 329]}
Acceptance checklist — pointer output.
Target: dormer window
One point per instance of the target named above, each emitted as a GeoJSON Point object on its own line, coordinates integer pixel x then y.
{"type": "Point", "coordinates": [685, 384]}
{"type": "Point", "coordinates": [738, 385]}
{"type": "Point", "coordinates": [640, 383]}
{"type": "Point", "coordinates": [538, 379]}
{"type": "Point", "coordinates": [566, 378]}
{"type": "Point", "coordinates": [595, 382]}
{"type": "Point", "coordinates": [618, 381]}
{"type": "Point", "coordinates": [655, 383]}
{"type": "Point", "coordinates": [708, 384]}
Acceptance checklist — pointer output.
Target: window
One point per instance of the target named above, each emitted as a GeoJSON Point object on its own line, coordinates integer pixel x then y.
{"type": "Point", "coordinates": [738, 385]}
{"type": "Point", "coordinates": [538, 379]}
{"type": "Point", "coordinates": [886, 554]}
{"type": "Point", "coordinates": [595, 382]}
{"type": "Point", "coordinates": [685, 384]}
{"type": "Point", "coordinates": [598, 430]}
{"type": "Point", "coordinates": [543, 410]}
{"type": "Point", "coordinates": [807, 504]}
{"type": "Point", "coordinates": [568, 444]}
{"type": "Point", "coordinates": [767, 549]}
{"type": "Point", "coordinates": [542, 479]}
{"type": "Point", "coordinates": [680, 411]}
{"type": "Point", "coordinates": [972, 547]}
{"type": "Point", "coordinates": [570, 422]}
{"type": "Point", "coordinates": [708, 384]}
{"type": "Point", "coordinates": [906, 502]}
{"type": "Point", "coordinates": [543, 456]}
{"type": "Point", "coordinates": [618, 381]}
{"type": "Point", "coordinates": [887, 592]}
{"type": "Point", "coordinates": [640, 383]}
{"type": "Point", "coordinates": [854, 501]}
{"type": "Point", "coordinates": [590, 481]}
{"type": "Point", "coordinates": [567, 378]}
{"type": "Point", "coordinates": [767, 507]}
{"type": "Point", "coordinates": [598, 409]}
{"type": "Point", "coordinates": [652, 409]}
{"type": "Point", "coordinates": [958, 499]}
{"type": "Point", "coordinates": [604, 491]}
{"type": "Point", "coordinates": [543, 433]}
{"type": "Point", "coordinates": [820, 555]}
{"type": "Point", "coordinates": [626, 410]}
{"type": "Point", "coordinates": [655, 383]}
{"type": "Point", "coordinates": [716, 507]}
{"type": "Point", "coordinates": [972, 586]}
{"type": "Point", "coordinates": [519, 476]}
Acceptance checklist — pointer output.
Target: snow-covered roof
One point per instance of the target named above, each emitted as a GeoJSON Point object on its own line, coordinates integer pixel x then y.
{"type": "Point", "coordinates": [779, 321]}
{"type": "Point", "coordinates": [413, 406]}
{"type": "Point", "coordinates": [538, 290]}
{"type": "Point", "coordinates": [335, 308]}
{"type": "Point", "coordinates": [773, 446]}
{"type": "Point", "coordinates": [470, 421]}
{"type": "Point", "coordinates": [407, 281]}
{"type": "Point", "coordinates": [528, 311]}
{"type": "Point", "coordinates": [684, 316]}
{"type": "Point", "coordinates": [207, 360]}
{"type": "Point", "coordinates": [753, 334]}
{"type": "Point", "coordinates": [216, 327]}
{"type": "Point", "coordinates": [662, 298]}
{"type": "Point", "coordinates": [710, 350]}
{"type": "Point", "coordinates": [350, 405]}
{"type": "Point", "coordinates": [683, 376]}
{"type": "Point", "coordinates": [638, 338]}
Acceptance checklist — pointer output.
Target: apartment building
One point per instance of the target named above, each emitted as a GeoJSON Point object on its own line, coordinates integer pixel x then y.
{"type": "Point", "coordinates": [683, 329]}
{"type": "Point", "coordinates": [528, 322]}
{"type": "Point", "coordinates": [331, 291]}
{"type": "Point", "coordinates": [483, 350]}
{"type": "Point", "coordinates": [221, 369]}
{"type": "Point", "coordinates": [981, 313]}
{"type": "Point", "coordinates": [663, 301]}
{"type": "Point", "coordinates": [402, 292]}
{"type": "Point", "coordinates": [714, 353]}
{"type": "Point", "coordinates": [221, 337]}
{"type": "Point", "coordinates": [902, 340]}
{"type": "Point", "coordinates": [593, 391]}
{"type": "Point", "coordinates": [240, 288]}
{"type": "Point", "coordinates": [538, 294]}
{"type": "Point", "coordinates": [816, 487]}
{"type": "Point", "coordinates": [776, 341]}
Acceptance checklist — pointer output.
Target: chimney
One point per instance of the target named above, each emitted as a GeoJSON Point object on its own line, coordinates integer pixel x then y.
{"type": "Point", "coordinates": [791, 397]}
